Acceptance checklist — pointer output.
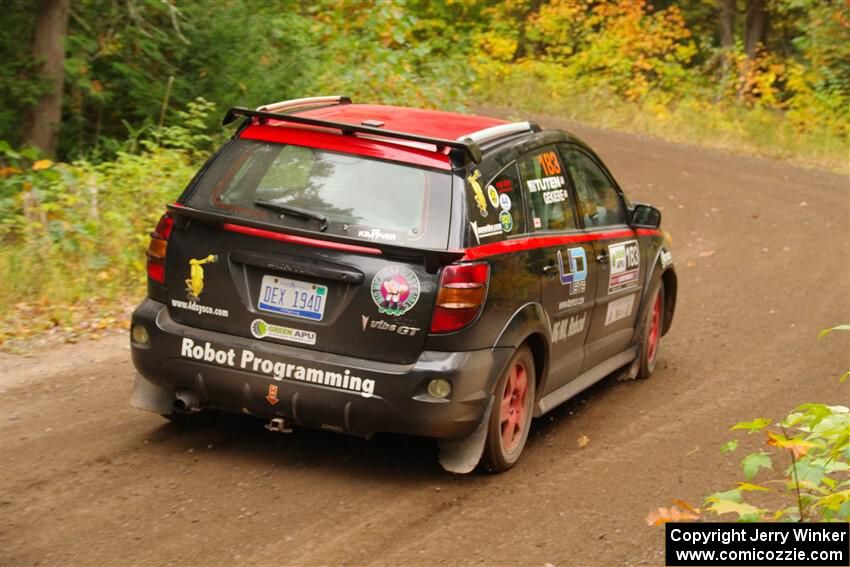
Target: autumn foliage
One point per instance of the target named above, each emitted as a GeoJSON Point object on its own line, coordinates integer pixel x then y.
{"type": "Point", "coordinates": [130, 137]}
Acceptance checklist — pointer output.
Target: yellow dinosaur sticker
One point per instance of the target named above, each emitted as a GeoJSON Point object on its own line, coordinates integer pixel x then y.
{"type": "Point", "coordinates": [478, 193]}
{"type": "Point", "coordinates": [195, 283]}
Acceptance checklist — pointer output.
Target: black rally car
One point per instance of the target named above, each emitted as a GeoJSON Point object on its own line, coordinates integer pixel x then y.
{"type": "Point", "coordinates": [365, 268]}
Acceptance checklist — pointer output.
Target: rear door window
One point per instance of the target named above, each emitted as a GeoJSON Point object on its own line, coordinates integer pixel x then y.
{"type": "Point", "coordinates": [356, 196]}
{"type": "Point", "coordinates": [599, 202]}
{"type": "Point", "coordinates": [548, 195]}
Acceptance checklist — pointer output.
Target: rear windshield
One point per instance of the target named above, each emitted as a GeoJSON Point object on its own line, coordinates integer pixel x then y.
{"type": "Point", "coordinates": [348, 195]}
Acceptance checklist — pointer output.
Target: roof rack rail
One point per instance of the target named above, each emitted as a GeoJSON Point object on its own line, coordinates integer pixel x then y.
{"type": "Point", "coordinates": [501, 131]}
{"type": "Point", "coordinates": [304, 102]}
{"type": "Point", "coordinates": [466, 147]}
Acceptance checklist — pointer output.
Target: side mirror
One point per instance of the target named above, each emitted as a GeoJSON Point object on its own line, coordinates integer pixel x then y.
{"type": "Point", "coordinates": [645, 216]}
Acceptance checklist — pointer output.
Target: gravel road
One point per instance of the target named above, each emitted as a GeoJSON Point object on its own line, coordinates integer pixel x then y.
{"type": "Point", "coordinates": [762, 253]}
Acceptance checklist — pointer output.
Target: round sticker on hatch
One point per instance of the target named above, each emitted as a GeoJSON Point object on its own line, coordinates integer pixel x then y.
{"type": "Point", "coordinates": [507, 221]}
{"type": "Point", "coordinates": [259, 328]}
{"type": "Point", "coordinates": [505, 201]}
{"type": "Point", "coordinates": [493, 195]}
{"type": "Point", "coordinates": [395, 290]}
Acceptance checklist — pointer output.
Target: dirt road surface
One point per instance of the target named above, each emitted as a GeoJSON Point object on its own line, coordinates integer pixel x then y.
{"type": "Point", "coordinates": [762, 254]}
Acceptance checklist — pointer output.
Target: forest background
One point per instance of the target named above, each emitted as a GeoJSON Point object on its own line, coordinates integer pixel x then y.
{"type": "Point", "coordinates": [107, 107]}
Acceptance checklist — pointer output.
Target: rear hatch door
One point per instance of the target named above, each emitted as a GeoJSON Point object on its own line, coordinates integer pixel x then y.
{"type": "Point", "coordinates": [311, 248]}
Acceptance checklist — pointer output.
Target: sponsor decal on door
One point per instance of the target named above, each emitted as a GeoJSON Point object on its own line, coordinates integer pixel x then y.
{"type": "Point", "coordinates": [619, 309]}
{"type": "Point", "coordinates": [625, 265]}
{"type": "Point", "coordinates": [566, 328]}
{"type": "Point", "coordinates": [575, 273]}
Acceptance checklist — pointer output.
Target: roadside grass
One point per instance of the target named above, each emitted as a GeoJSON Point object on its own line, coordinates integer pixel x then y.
{"type": "Point", "coordinates": [73, 235]}
{"type": "Point", "coordinates": [730, 127]}
{"type": "Point", "coordinates": [74, 252]}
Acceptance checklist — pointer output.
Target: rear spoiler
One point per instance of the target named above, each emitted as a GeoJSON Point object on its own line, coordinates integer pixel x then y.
{"type": "Point", "coordinates": [432, 259]}
{"type": "Point", "coordinates": [467, 148]}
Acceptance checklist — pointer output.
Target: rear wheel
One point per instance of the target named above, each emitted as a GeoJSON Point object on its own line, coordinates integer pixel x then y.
{"type": "Point", "coordinates": [510, 419]}
{"type": "Point", "coordinates": [652, 328]}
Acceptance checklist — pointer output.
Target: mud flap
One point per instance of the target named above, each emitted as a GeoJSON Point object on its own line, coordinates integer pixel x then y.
{"type": "Point", "coordinates": [461, 456]}
{"type": "Point", "coordinates": [151, 397]}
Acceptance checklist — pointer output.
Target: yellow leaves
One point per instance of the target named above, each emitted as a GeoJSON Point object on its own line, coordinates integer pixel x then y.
{"type": "Point", "coordinates": [500, 48]}
{"type": "Point", "coordinates": [750, 486]}
{"type": "Point", "coordinates": [583, 441]}
{"type": "Point", "coordinates": [834, 501]}
{"type": "Point", "coordinates": [731, 507]}
{"type": "Point", "coordinates": [798, 447]}
{"type": "Point", "coordinates": [628, 47]}
{"type": "Point", "coordinates": [679, 512]}
{"type": "Point", "coordinates": [42, 164]}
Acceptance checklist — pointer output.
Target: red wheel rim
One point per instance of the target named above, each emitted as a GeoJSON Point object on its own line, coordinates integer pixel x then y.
{"type": "Point", "coordinates": [652, 346]}
{"type": "Point", "coordinates": [512, 412]}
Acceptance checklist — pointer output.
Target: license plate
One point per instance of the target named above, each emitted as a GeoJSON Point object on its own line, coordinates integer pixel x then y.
{"type": "Point", "coordinates": [293, 298]}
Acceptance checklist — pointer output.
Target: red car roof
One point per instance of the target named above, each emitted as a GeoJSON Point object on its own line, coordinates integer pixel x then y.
{"type": "Point", "coordinates": [431, 123]}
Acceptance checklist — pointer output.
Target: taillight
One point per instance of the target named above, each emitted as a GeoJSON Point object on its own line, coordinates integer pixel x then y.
{"type": "Point", "coordinates": [461, 296]}
{"type": "Point", "coordinates": [158, 247]}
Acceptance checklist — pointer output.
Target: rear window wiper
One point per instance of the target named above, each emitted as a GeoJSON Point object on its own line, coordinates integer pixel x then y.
{"type": "Point", "coordinates": [283, 208]}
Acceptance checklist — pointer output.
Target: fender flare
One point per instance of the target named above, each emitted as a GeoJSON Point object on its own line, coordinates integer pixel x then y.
{"type": "Point", "coordinates": [529, 324]}
{"type": "Point", "coordinates": [667, 274]}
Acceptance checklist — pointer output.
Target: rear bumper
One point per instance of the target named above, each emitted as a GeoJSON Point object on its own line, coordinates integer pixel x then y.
{"type": "Point", "coordinates": [314, 388]}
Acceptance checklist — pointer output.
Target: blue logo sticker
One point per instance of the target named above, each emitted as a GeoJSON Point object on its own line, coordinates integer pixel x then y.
{"type": "Point", "coordinates": [505, 201]}
{"type": "Point", "coordinates": [578, 266]}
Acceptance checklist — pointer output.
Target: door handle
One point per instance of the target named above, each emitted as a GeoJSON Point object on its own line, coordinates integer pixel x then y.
{"type": "Point", "coordinates": [550, 269]}
{"type": "Point", "coordinates": [602, 258]}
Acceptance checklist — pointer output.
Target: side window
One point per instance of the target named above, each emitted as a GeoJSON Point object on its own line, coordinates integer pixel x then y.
{"type": "Point", "coordinates": [599, 203]}
{"type": "Point", "coordinates": [496, 210]}
{"type": "Point", "coordinates": [546, 190]}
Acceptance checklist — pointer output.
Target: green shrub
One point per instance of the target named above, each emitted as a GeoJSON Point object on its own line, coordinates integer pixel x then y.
{"type": "Point", "coordinates": [73, 231]}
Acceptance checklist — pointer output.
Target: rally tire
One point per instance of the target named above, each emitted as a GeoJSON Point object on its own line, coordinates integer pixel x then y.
{"type": "Point", "coordinates": [510, 417]}
{"type": "Point", "coordinates": [653, 328]}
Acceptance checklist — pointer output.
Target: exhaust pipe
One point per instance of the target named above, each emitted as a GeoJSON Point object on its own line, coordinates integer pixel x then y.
{"type": "Point", "coordinates": [185, 401]}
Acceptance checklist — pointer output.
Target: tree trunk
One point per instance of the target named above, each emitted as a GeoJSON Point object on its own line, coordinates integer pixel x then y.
{"type": "Point", "coordinates": [727, 24]}
{"type": "Point", "coordinates": [41, 128]}
{"type": "Point", "coordinates": [727, 41]}
{"type": "Point", "coordinates": [755, 27]}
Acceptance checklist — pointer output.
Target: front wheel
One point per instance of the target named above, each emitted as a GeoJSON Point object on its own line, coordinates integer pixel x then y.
{"type": "Point", "coordinates": [510, 419]}
{"type": "Point", "coordinates": [652, 328]}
